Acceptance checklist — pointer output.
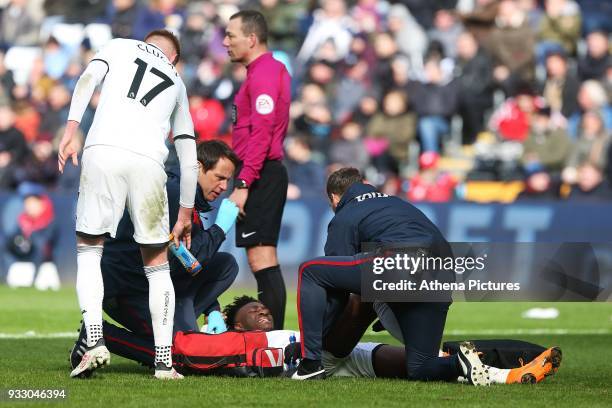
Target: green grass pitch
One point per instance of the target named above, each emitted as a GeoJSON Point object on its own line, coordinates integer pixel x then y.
{"type": "Point", "coordinates": [583, 331]}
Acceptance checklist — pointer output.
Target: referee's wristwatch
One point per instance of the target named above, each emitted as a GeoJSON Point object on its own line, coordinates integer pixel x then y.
{"type": "Point", "coordinates": [241, 184]}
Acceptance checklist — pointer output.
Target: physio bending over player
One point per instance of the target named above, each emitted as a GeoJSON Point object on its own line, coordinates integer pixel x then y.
{"type": "Point", "coordinates": [125, 285]}
{"type": "Point", "coordinates": [142, 98]}
{"type": "Point", "coordinates": [362, 215]}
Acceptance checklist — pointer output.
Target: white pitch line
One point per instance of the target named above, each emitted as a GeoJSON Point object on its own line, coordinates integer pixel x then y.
{"type": "Point", "coordinates": [492, 332]}
{"type": "Point", "coordinates": [511, 332]}
{"type": "Point", "coordinates": [34, 335]}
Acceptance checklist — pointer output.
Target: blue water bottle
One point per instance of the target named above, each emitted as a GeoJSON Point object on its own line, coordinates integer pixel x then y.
{"type": "Point", "coordinates": [191, 264]}
{"type": "Point", "coordinates": [292, 363]}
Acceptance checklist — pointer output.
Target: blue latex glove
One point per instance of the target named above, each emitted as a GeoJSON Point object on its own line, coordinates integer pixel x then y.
{"type": "Point", "coordinates": [226, 216]}
{"type": "Point", "coordinates": [216, 324]}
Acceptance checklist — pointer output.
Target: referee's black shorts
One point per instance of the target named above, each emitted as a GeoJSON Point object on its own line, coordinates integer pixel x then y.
{"type": "Point", "coordinates": [264, 207]}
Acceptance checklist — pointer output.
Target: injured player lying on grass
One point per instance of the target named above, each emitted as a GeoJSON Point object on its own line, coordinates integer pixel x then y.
{"type": "Point", "coordinates": [345, 355]}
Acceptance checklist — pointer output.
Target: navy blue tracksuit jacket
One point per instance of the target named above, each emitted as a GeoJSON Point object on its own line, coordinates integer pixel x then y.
{"type": "Point", "coordinates": [365, 215]}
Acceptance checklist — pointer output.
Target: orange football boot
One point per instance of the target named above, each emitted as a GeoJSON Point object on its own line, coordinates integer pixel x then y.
{"type": "Point", "coordinates": [535, 371]}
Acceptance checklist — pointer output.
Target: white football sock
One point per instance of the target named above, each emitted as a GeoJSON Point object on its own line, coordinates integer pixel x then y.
{"type": "Point", "coordinates": [90, 290]}
{"type": "Point", "coordinates": [163, 355]}
{"type": "Point", "coordinates": [498, 375]}
{"type": "Point", "coordinates": [161, 306]}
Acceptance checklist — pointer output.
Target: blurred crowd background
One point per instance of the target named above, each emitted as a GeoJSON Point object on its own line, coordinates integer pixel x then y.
{"type": "Point", "coordinates": [484, 101]}
{"type": "Point", "coordinates": [478, 100]}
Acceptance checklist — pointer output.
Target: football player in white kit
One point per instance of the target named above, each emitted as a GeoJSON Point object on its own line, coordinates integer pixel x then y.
{"type": "Point", "coordinates": [142, 98]}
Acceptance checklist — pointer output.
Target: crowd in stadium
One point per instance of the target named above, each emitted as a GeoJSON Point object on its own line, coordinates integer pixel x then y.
{"type": "Point", "coordinates": [481, 100]}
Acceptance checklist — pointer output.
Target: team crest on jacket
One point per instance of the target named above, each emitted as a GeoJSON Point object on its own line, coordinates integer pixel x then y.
{"type": "Point", "coordinates": [264, 104]}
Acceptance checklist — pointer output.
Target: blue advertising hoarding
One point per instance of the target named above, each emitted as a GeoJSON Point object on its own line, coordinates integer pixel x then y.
{"type": "Point", "coordinates": [305, 225]}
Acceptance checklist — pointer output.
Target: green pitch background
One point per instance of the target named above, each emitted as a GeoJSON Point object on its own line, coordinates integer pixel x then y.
{"type": "Point", "coordinates": [583, 331]}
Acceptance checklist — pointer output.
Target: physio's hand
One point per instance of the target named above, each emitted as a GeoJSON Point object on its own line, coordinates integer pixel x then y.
{"type": "Point", "coordinates": [215, 323]}
{"type": "Point", "coordinates": [239, 196]}
{"type": "Point", "coordinates": [226, 216]}
{"type": "Point", "coordinates": [182, 228]}
{"type": "Point", "coordinates": [66, 149]}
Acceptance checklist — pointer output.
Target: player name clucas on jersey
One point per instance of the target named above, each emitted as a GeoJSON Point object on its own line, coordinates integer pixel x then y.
{"type": "Point", "coordinates": [143, 97]}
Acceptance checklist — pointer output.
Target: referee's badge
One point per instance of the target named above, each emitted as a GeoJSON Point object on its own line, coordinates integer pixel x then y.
{"type": "Point", "coordinates": [264, 104]}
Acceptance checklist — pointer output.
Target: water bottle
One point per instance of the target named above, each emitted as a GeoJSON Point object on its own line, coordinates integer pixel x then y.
{"type": "Point", "coordinates": [292, 363]}
{"type": "Point", "coordinates": [186, 258]}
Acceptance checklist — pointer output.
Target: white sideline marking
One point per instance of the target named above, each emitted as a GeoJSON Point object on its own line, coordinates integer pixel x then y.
{"type": "Point", "coordinates": [492, 332]}
{"type": "Point", "coordinates": [504, 332]}
{"type": "Point", "coordinates": [34, 335]}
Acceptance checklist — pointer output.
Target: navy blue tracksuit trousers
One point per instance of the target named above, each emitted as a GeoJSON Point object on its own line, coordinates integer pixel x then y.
{"type": "Point", "coordinates": [324, 285]}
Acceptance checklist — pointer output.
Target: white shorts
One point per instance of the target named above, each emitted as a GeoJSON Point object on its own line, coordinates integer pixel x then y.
{"type": "Point", "coordinates": [388, 320]}
{"type": "Point", "coordinates": [113, 179]}
{"type": "Point", "coordinates": [390, 323]}
{"type": "Point", "coordinates": [357, 364]}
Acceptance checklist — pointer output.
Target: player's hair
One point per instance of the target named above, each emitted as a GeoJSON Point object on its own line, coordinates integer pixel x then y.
{"type": "Point", "coordinates": [170, 37]}
{"type": "Point", "coordinates": [232, 309]}
{"type": "Point", "coordinates": [253, 22]}
{"type": "Point", "coordinates": [210, 151]}
{"type": "Point", "coordinates": [340, 180]}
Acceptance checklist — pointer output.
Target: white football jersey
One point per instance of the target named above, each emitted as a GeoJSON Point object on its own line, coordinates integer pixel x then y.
{"type": "Point", "coordinates": [357, 364]}
{"type": "Point", "coordinates": [142, 98]}
{"type": "Point", "coordinates": [281, 338]}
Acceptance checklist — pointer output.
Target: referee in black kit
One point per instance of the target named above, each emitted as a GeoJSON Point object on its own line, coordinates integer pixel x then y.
{"type": "Point", "coordinates": [260, 118]}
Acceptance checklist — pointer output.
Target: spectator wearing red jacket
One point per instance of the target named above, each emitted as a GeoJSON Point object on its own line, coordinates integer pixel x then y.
{"type": "Point", "coordinates": [208, 116]}
{"type": "Point", "coordinates": [33, 239]}
{"type": "Point", "coordinates": [512, 120]}
{"type": "Point", "coordinates": [430, 184]}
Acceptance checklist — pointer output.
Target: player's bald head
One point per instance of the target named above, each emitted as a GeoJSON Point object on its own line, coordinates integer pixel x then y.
{"type": "Point", "coordinates": [167, 42]}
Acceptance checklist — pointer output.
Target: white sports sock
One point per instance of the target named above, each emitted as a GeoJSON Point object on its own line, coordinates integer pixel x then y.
{"type": "Point", "coordinates": [90, 290]}
{"type": "Point", "coordinates": [163, 354]}
{"type": "Point", "coordinates": [161, 306]}
{"type": "Point", "coordinates": [498, 375]}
